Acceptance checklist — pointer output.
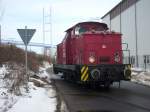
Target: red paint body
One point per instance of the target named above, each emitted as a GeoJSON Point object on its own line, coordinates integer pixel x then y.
{"type": "Point", "coordinates": [95, 42]}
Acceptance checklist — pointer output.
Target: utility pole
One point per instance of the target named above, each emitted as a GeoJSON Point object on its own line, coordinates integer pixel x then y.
{"type": "Point", "coordinates": [0, 35]}
{"type": "Point", "coordinates": [43, 28]}
{"type": "Point", "coordinates": [51, 26]}
{"type": "Point", "coordinates": [51, 42]}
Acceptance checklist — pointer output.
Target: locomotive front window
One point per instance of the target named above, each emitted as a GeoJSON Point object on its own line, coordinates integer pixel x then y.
{"type": "Point", "coordinates": [80, 30]}
{"type": "Point", "coordinates": [88, 29]}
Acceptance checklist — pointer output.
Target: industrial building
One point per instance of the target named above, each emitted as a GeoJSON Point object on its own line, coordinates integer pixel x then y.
{"type": "Point", "coordinates": [132, 19]}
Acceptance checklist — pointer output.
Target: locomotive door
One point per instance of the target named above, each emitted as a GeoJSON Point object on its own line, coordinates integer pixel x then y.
{"type": "Point", "coordinates": [69, 49]}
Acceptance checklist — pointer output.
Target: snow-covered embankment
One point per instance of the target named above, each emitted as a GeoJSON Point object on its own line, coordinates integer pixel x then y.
{"type": "Point", "coordinates": [38, 99]}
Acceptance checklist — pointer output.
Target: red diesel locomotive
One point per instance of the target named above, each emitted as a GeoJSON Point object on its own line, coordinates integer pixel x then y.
{"type": "Point", "coordinates": [90, 54]}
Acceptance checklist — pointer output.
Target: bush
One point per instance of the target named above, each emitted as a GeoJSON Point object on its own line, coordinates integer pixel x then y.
{"type": "Point", "coordinates": [11, 53]}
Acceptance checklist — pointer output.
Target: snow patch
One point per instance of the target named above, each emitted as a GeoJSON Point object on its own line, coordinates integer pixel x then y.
{"type": "Point", "coordinates": [140, 76]}
{"type": "Point", "coordinates": [40, 100]}
{"type": "Point", "coordinates": [43, 73]}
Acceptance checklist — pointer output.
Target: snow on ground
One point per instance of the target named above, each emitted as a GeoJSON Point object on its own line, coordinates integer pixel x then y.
{"type": "Point", "coordinates": [42, 71]}
{"type": "Point", "coordinates": [7, 100]}
{"type": "Point", "coordinates": [43, 99]}
{"type": "Point", "coordinates": [37, 100]}
{"type": "Point", "coordinates": [140, 76]}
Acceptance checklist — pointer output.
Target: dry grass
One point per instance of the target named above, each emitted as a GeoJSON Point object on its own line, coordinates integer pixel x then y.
{"type": "Point", "coordinates": [11, 53]}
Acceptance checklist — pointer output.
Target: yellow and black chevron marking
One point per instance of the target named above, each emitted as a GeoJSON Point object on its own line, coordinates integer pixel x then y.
{"type": "Point", "coordinates": [128, 72]}
{"type": "Point", "coordinates": [128, 67]}
{"type": "Point", "coordinates": [84, 73]}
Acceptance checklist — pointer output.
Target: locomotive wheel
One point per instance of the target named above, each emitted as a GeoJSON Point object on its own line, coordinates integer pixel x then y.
{"type": "Point", "coordinates": [94, 85]}
{"type": "Point", "coordinates": [64, 76]}
{"type": "Point", "coordinates": [55, 71]}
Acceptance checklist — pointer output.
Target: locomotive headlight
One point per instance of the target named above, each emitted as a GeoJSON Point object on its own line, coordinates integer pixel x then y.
{"type": "Point", "coordinates": [91, 59]}
{"type": "Point", "coordinates": [116, 57]}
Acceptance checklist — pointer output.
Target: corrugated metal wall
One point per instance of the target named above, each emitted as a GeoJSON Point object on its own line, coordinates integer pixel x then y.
{"type": "Point", "coordinates": [134, 23]}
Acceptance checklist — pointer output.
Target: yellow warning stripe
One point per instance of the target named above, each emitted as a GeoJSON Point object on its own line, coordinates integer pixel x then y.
{"type": "Point", "coordinates": [82, 69]}
{"type": "Point", "coordinates": [86, 77]}
{"type": "Point", "coordinates": [84, 73]}
{"type": "Point", "coordinates": [129, 66]}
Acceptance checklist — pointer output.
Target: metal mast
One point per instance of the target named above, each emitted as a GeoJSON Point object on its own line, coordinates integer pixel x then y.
{"type": "Point", "coordinates": [43, 29]}
{"type": "Point", "coordinates": [47, 28]}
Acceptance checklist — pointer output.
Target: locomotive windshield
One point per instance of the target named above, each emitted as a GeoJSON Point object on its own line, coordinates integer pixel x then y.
{"type": "Point", "coordinates": [82, 29]}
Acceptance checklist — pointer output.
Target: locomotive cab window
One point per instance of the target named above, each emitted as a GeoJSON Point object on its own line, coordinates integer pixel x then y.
{"type": "Point", "coordinates": [80, 30]}
{"type": "Point", "coordinates": [77, 30]}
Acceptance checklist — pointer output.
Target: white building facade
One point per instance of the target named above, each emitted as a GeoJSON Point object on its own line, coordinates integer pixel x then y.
{"type": "Point", "coordinates": [132, 19]}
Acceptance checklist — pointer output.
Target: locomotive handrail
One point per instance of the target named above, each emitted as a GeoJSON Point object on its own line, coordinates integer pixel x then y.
{"type": "Point", "coordinates": [127, 50]}
{"type": "Point", "coordinates": [126, 45]}
{"type": "Point", "coordinates": [128, 54]}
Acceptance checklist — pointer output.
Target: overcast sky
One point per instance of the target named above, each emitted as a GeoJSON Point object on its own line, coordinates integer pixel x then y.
{"type": "Point", "coordinates": [16, 14]}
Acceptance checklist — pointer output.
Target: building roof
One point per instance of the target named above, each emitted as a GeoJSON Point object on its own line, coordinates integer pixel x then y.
{"type": "Point", "coordinates": [111, 10]}
{"type": "Point", "coordinates": [120, 7]}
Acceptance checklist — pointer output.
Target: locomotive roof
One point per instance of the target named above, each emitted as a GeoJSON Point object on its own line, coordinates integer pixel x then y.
{"type": "Point", "coordinates": [81, 23]}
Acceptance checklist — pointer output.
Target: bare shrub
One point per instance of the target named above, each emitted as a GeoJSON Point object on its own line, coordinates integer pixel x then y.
{"type": "Point", "coordinates": [15, 78]}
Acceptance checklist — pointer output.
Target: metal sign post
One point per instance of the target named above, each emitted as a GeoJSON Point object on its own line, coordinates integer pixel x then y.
{"type": "Point", "coordinates": [26, 55]}
{"type": "Point", "coordinates": [0, 35]}
{"type": "Point", "coordinates": [26, 35]}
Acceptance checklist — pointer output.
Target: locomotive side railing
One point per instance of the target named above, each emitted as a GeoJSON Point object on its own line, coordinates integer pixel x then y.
{"type": "Point", "coordinates": [126, 50]}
